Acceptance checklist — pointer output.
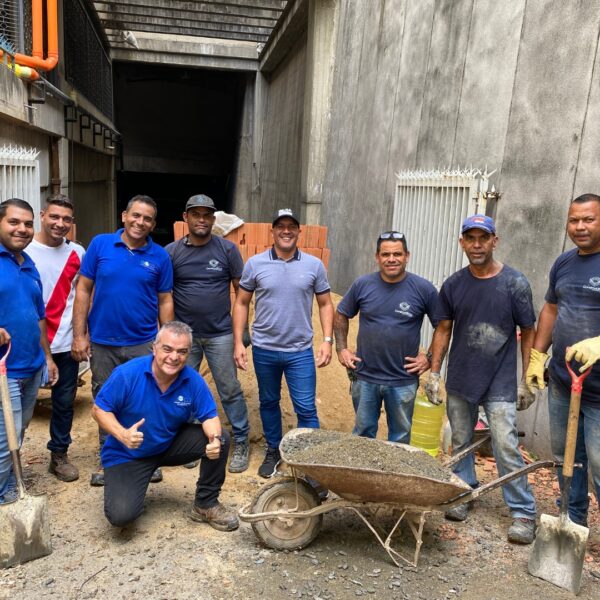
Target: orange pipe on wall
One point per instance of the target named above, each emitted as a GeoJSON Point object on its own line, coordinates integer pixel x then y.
{"type": "Point", "coordinates": [37, 61]}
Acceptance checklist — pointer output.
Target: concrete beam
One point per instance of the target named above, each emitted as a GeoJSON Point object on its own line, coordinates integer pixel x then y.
{"type": "Point", "coordinates": [290, 27]}
{"type": "Point", "coordinates": [241, 7]}
{"type": "Point", "coordinates": [186, 28]}
{"type": "Point", "coordinates": [183, 50]}
{"type": "Point", "coordinates": [168, 14]}
{"type": "Point", "coordinates": [320, 63]}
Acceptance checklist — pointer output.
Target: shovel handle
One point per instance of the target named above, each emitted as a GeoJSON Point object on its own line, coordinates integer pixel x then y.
{"type": "Point", "coordinates": [9, 421]}
{"type": "Point", "coordinates": [573, 419]}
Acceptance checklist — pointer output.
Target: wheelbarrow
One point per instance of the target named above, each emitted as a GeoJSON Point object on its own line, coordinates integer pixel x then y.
{"type": "Point", "coordinates": [288, 513]}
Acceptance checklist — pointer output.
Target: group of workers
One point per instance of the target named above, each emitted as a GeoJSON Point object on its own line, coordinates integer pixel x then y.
{"type": "Point", "coordinates": [60, 305]}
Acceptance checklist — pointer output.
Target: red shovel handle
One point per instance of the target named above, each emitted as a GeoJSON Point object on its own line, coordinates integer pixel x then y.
{"type": "Point", "coordinates": [577, 380]}
{"type": "Point", "coordinates": [573, 419]}
{"type": "Point", "coordinates": [3, 361]}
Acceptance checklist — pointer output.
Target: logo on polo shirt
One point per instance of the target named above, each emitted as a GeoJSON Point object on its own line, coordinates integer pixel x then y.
{"type": "Point", "coordinates": [594, 284]}
{"type": "Point", "coordinates": [148, 265]}
{"type": "Point", "coordinates": [182, 401]}
{"type": "Point", "coordinates": [214, 265]}
{"type": "Point", "coordinates": [404, 309]}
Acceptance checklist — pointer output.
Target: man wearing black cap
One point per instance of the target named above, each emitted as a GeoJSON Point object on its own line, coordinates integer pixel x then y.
{"type": "Point", "coordinates": [285, 281]}
{"type": "Point", "coordinates": [204, 267]}
{"type": "Point", "coordinates": [481, 307]}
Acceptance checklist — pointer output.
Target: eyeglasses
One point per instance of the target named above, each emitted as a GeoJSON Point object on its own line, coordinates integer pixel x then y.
{"type": "Point", "coordinates": [391, 235]}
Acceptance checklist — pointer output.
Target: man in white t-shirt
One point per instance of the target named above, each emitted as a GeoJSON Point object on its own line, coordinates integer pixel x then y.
{"type": "Point", "coordinates": [58, 260]}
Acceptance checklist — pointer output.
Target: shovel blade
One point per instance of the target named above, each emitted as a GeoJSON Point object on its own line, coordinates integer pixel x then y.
{"type": "Point", "coordinates": [24, 530]}
{"type": "Point", "coordinates": [558, 552]}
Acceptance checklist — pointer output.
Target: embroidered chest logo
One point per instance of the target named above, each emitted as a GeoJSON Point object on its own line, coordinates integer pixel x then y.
{"type": "Point", "coordinates": [214, 265]}
{"type": "Point", "coordinates": [182, 401]}
{"type": "Point", "coordinates": [594, 284]}
{"type": "Point", "coordinates": [404, 309]}
{"type": "Point", "coordinates": [146, 264]}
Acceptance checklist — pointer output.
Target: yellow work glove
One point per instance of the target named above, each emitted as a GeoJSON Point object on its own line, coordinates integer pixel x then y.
{"type": "Point", "coordinates": [535, 371]}
{"type": "Point", "coordinates": [525, 397]}
{"type": "Point", "coordinates": [586, 352]}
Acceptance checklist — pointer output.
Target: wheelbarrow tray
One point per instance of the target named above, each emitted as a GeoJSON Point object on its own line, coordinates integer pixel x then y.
{"type": "Point", "coordinates": [370, 485]}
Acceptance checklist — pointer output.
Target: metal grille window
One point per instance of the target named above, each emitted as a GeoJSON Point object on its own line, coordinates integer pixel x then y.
{"type": "Point", "coordinates": [429, 208]}
{"type": "Point", "coordinates": [87, 66]}
{"type": "Point", "coordinates": [11, 25]}
{"type": "Point", "coordinates": [20, 175]}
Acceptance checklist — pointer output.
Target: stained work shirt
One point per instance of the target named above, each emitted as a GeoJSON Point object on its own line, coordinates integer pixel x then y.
{"type": "Point", "coordinates": [201, 289]}
{"type": "Point", "coordinates": [127, 283]}
{"type": "Point", "coordinates": [21, 309]}
{"type": "Point", "coordinates": [284, 291]}
{"type": "Point", "coordinates": [575, 287]}
{"type": "Point", "coordinates": [131, 393]}
{"type": "Point", "coordinates": [390, 319]}
{"type": "Point", "coordinates": [483, 356]}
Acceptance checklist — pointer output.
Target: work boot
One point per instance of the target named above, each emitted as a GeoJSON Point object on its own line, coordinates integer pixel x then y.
{"type": "Point", "coordinates": [458, 513]}
{"type": "Point", "coordinates": [156, 476]}
{"type": "Point", "coordinates": [192, 464]}
{"type": "Point", "coordinates": [62, 468]}
{"type": "Point", "coordinates": [269, 465]}
{"type": "Point", "coordinates": [216, 516]}
{"type": "Point", "coordinates": [522, 531]}
{"type": "Point", "coordinates": [240, 456]}
{"type": "Point", "coordinates": [97, 479]}
{"type": "Point", "coordinates": [322, 491]}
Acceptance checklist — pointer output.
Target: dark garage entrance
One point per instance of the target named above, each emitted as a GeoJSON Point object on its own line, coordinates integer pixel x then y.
{"type": "Point", "coordinates": [180, 129]}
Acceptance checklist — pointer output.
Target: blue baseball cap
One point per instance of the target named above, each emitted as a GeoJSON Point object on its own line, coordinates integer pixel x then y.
{"type": "Point", "coordinates": [479, 222]}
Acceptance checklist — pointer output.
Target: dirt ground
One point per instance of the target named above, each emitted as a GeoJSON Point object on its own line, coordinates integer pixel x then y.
{"type": "Point", "coordinates": [165, 555]}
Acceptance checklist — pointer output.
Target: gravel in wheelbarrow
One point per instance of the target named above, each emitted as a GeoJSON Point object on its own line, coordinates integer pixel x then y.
{"type": "Point", "coordinates": [363, 469]}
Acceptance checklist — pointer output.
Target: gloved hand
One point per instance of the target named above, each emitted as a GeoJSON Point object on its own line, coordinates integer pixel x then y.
{"type": "Point", "coordinates": [535, 371]}
{"type": "Point", "coordinates": [586, 352]}
{"type": "Point", "coordinates": [525, 397]}
{"type": "Point", "coordinates": [432, 388]}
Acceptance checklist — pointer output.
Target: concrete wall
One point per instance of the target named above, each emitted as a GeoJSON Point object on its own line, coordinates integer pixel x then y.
{"type": "Point", "coordinates": [280, 159]}
{"type": "Point", "coordinates": [428, 83]}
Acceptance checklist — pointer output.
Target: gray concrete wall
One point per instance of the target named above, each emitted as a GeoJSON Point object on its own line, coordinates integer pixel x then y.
{"type": "Point", "coordinates": [434, 83]}
{"type": "Point", "coordinates": [280, 153]}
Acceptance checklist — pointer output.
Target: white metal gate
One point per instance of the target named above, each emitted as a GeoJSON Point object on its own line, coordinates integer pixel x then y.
{"type": "Point", "coordinates": [20, 175]}
{"type": "Point", "coordinates": [429, 208]}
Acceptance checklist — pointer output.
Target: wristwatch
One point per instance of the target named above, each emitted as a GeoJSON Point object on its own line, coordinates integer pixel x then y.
{"type": "Point", "coordinates": [429, 356]}
{"type": "Point", "coordinates": [328, 339]}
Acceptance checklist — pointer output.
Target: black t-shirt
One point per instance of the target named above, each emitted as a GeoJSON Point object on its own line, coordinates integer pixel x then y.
{"type": "Point", "coordinates": [391, 315]}
{"type": "Point", "coordinates": [575, 287]}
{"type": "Point", "coordinates": [201, 284]}
{"type": "Point", "coordinates": [483, 357]}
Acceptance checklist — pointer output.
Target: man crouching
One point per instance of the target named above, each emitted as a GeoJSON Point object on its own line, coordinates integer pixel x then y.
{"type": "Point", "coordinates": [145, 406]}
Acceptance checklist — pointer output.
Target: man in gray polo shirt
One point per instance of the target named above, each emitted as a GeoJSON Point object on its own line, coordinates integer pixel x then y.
{"type": "Point", "coordinates": [204, 266]}
{"type": "Point", "coordinates": [285, 281]}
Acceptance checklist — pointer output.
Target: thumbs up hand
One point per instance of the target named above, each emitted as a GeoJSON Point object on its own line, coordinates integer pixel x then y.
{"type": "Point", "coordinates": [213, 448]}
{"type": "Point", "coordinates": [132, 438]}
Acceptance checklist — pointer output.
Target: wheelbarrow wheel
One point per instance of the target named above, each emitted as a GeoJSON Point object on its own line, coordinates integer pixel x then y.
{"type": "Point", "coordinates": [286, 533]}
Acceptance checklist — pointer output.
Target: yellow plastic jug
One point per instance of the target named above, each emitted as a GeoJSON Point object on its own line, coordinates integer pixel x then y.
{"type": "Point", "coordinates": [426, 425]}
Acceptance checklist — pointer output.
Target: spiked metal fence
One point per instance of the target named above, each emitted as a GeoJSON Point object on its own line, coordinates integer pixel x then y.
{"type": "Point", "coordinates": [20, 175]}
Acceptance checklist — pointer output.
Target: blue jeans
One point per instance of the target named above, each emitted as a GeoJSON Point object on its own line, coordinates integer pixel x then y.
{"type": "Point", "coordinates": [501, 417]}
{"type": "Point", "coordinates": [399, 403]}
{"type": "Point", "coordinates": [301, 378]}
{"type": "Point", "coordinates": [63, 395]}
{"type": "Point", "coordinates": [219, 355]}
{"type": "Point", "coordinates": [587, 448]}
{"type": "Point", "coordinates": [23, 394]}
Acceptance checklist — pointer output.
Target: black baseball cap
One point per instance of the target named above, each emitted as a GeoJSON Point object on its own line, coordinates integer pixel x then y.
{"type": "Point", "coordinates": [200, 200]}
{"type": "Point", "coordinates": [285, 212]}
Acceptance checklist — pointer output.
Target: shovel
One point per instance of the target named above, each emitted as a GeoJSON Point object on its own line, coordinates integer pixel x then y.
{"type": "Point", "coordinates": [24, 526]}
{"type": "Point", "coordinates": [559, 548]}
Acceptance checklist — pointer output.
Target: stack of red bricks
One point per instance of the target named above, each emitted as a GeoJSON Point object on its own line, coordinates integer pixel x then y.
{"type": "Point", "coordinates": [253, 238]}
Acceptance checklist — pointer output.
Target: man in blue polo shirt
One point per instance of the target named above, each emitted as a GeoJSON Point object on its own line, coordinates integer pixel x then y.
{"type": "Point", "coordinates": [285, 282]}
{"type": "Point", "coordinates": [22, 323]}
{"type": "Point", "coordinates": [480, 307]}
{"type": "Point", "coordinates": [392, 304]}
{"type": "Point", "coordinates": [145, 407]}
{"type": "Point", "coordinates": [571, 314]}
{"type": "Point", "coordinates": [130, 278]}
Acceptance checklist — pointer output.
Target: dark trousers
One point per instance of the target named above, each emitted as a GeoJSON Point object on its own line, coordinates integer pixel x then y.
{"type": "Point", "coordinates": [125, 484]}
{"type": "Point", "coordinates": [63, 396]}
